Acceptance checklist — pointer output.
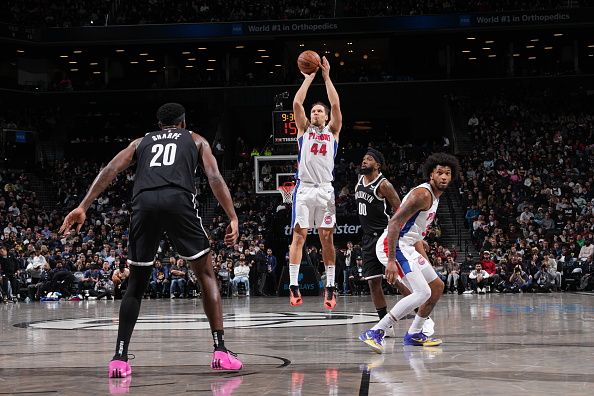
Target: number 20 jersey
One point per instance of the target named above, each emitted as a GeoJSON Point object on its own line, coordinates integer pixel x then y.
{"type": "Point", "coordinates": [317, 149]}
{"type": "Point", "coordinates": [166, 158]}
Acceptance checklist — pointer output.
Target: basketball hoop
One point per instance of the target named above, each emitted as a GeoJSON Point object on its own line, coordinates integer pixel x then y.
{"type": "Point", "coordinates": [286, 191]}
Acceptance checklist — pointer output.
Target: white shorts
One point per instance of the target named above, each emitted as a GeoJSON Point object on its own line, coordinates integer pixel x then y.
{"type": "Point", "coordinates": [407, 256]}
{"type": "Point", "coordinates": [313, 206]}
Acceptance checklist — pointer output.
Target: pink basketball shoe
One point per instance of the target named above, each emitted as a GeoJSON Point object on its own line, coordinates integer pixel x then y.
{"type": "Point", "coordinates": [225, 360]}
{"type": "Point", "coordinates": [119, 369]}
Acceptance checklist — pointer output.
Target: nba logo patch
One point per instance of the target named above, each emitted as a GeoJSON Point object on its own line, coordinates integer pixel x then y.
{"type": "Point", "coordinates": [421, 261]}
{"type": "Point", "coordinates": [328, 219]}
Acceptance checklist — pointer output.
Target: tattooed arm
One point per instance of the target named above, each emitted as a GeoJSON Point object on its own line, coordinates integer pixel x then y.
{"type": "Point", "coordinates": [419, 200]}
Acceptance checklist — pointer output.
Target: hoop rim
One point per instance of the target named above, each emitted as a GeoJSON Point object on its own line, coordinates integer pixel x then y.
{"type": "Point", "coordinates": [286, 190]}
{"type": "Point", "coordinates": [286, 186]}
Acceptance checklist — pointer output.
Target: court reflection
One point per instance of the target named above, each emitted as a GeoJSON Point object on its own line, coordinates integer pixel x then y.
{"type": "Point", "coordinates": [318, 382]}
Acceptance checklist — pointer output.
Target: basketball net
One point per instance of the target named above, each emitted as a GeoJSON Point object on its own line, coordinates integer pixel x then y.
{"type": "Point", "coordinates": [286, 191]}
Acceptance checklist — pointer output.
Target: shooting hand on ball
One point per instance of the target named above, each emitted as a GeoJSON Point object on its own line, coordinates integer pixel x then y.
{"type": "Point", "coordinates": [325, 66]}
{"type": "Point", "coordinates": [310, 76]}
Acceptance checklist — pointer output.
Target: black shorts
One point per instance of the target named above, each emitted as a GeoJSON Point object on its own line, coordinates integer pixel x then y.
{"type": "Point", "coordinates": [171, 210]}
{"type": "Point", "coordinates": [371, 265]}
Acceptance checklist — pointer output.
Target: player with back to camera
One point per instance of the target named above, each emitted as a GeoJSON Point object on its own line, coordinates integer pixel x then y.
{"type": "Point", "coordinates": [313, 196]}
{"type": "Point", "coordinates": [398, 248]}
{"type": "Point", "coordinates": [373, 194]}
{"type": "Point", "coordinates": [164, 199]}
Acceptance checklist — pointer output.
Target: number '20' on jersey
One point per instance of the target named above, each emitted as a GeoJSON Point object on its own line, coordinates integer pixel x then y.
{"type": "Point", "coordinates": [166, 158]}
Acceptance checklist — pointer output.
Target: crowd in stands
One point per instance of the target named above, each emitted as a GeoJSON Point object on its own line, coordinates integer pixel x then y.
{"type": "Point", "coordinates": [364, 8]}
{"type": "Point", "coordinates": [130, 12]}
{"type": "Point", "coordinates": [65, 13]}
{"type": "Point", "coordinates": [37, 262]}
{"type": "Point", "coordinates": [527, 187]}
{"type": "Point", "coordinates": [168, 11]}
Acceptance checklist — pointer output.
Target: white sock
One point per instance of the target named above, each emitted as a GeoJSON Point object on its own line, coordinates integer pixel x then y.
{"type": "Point", "coordinates": [417, 325]}
{"type": "Point", "coordinates": [403, 307]}
{"type": "Point", "coordinates": [294, 274]}
{"type": "Point", "coordinates": [330, 275]}
{"type": "Point", "coordinates": [385, 323]}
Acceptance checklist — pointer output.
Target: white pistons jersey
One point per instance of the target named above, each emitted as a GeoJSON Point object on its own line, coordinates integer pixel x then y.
{"type": "Point", "coordinates": [317, 149]}
{"type": "Point", "coordinates": [416, 227]}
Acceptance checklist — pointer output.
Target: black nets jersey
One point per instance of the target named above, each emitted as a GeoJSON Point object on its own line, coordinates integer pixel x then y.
{"type": "Point", "coordinates": [373, 211]}
{"type": "Point", "coordinates": [166, 158]}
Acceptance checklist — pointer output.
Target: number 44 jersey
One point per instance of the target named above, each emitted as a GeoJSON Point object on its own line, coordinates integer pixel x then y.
{"type": "Point", "coordinates": [317, 149]}
{"type": "Point", "coordinates": [166, 158]}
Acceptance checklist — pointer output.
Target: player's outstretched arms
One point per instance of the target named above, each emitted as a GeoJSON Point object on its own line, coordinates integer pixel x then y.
{"type": "Point", "coordinates": [335, 123]}
{"type": "Point", "coordinates": [301, 120]}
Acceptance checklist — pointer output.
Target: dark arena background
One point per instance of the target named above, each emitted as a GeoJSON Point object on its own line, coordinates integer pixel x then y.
{"type": "Point", "coordinates": [506, 86]}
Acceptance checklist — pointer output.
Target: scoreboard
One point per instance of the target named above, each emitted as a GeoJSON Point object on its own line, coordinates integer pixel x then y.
{"type": "Point", "coordinates": [284, 129]}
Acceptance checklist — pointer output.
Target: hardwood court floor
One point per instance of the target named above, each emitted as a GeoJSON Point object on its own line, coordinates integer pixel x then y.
{"type": "Point", "coordinates": [493, 345]}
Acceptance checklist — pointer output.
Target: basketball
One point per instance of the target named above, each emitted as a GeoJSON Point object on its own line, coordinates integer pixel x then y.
{"type": "Point", "coordinates": [308, 61]}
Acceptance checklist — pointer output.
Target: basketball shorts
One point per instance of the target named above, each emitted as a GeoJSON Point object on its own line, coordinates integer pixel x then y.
{"type": "Point", "coordinates": [408, 259]}
{"type": "Point", "coordinates": [171, 210]}
{"type": "Point", "coordinates": [372, 267]}
{"type": "Point", "coordinates": [313, 205]}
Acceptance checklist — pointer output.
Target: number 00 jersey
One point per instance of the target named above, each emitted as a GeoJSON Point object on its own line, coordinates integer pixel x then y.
{"type": "Point", "coordinates": [373, 210]}
{"type": "Point", "coordinates": [166, 158]}
{"type": "Point", "coordinates": [317, 149]}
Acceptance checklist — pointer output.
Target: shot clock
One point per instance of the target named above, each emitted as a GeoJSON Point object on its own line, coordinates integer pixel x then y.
{"type": "Point", "coordinates": [284, 129]}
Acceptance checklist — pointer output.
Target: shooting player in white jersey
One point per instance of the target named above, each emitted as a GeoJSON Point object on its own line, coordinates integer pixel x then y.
{"type": "Point", "coordinates": [399, 247]}
{"type": "Point", "coordinates": [313, 196]}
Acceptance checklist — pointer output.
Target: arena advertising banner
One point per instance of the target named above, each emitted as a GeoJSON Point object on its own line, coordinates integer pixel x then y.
{"type": "Point", "coordinates": [347, 229]}
{"type": "Point", "coordinates": [320, 26]}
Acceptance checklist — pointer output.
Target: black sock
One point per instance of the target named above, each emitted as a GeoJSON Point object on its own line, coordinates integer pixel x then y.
{"type": "Point", "coordinates": [130, 307]}
{"type": "Point", "coordinates": [381, 312]}
{"type": "Point", "coordinates": [218, 337]}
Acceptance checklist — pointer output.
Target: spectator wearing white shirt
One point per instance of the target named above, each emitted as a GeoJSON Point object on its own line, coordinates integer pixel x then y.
{"type": "Point", "coordinates": [242, 274]}
{"type": "Point", "coordinates": [526, 215]}
{"type": "Point", "coordinates": [13, 210]}
{"type": "Point", "coordinates": [552, 269]}
{"type": "Point", "coordinates": [586, 252]}
{"type": "Point", "coordinates": [9, 228]}
{"type": "Point", "coordinates": [35, 266]}
{"type": "Point", "coordinates": [478, 279]}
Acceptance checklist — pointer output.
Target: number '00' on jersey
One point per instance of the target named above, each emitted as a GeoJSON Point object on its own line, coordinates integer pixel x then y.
{"type": "Point", "coordinates": [372, 210]}
{"type": "Point", "coordinates": [317, 149]}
